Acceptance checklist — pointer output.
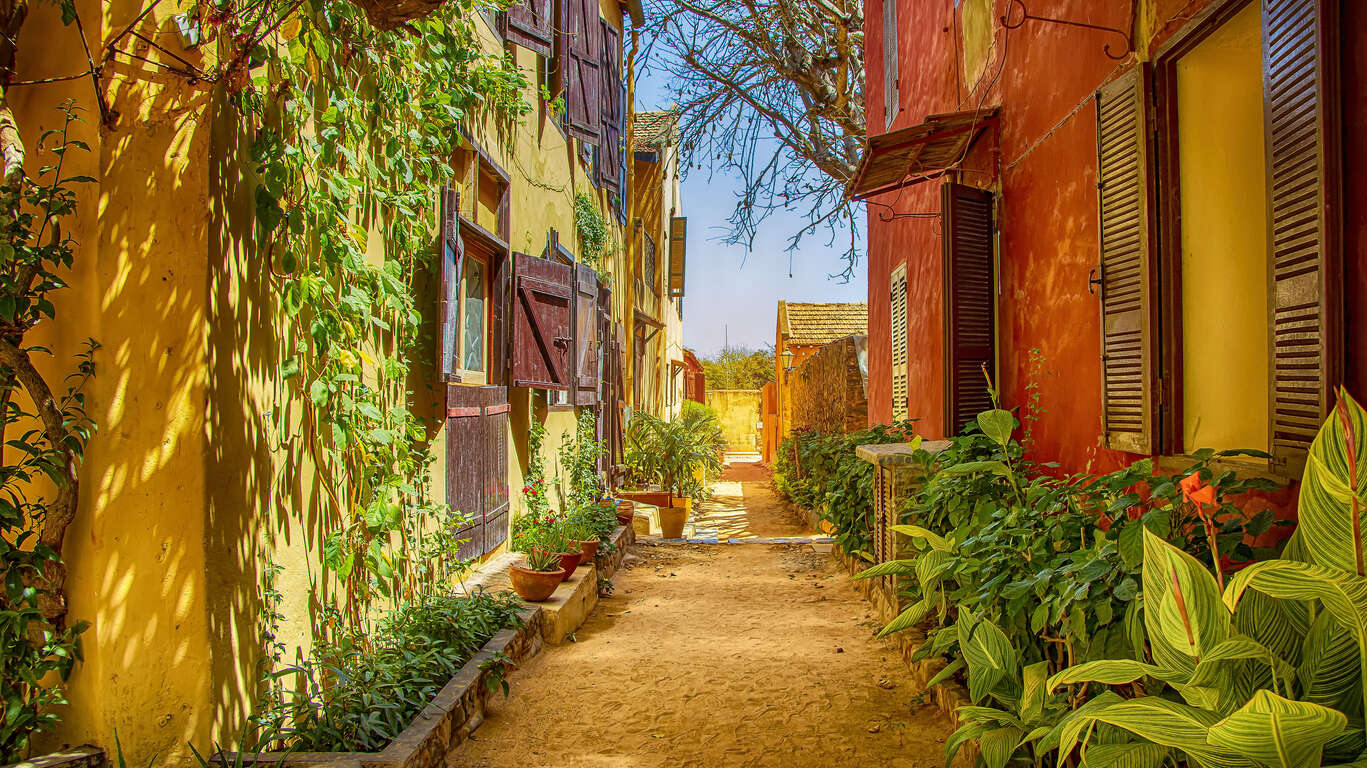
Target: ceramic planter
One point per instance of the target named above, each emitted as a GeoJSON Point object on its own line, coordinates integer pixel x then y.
{"type": "Point", "coordinates": [672, 521]}
{"type": "Point", "coordinates": [534, 586]}
{"type": "Point", "coordinates": [588, 550]}
{"type": "Point", "coordinates": [626, 510]}
{"type": "Point", "coordinates": [653, 498]}
{"type": "Point", "coordinates": [568, 561]}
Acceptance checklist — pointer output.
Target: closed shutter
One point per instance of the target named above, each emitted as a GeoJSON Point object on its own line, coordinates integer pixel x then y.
{"type": "Point", "coordinates": [610, 146]}
{"type": "Point", "coordinates": [891, 97]}
{"type": "Point", "coordinates": [451, 250]}
{"type": "Point", "coordinates": [495, 477]}
{"type": "Point", "coordinates": [898, 336]}
{"type": "Point", "coordinates": [541, 321]}
{"type": "Point", "coordinates": [586, 335]}
{"type": "Point", "coordinates": [1300, 82]}
{"type": "Point", "coordinates": [678, 239]}
{"type": "Point", "coordinates": [466, 457]}
{"type": "Point", "coordinates": [581, 51]}
{"type": "Point", "coordinates": [529, 25]}
{"type": "Point", "coordinates": [1125, 202]}
{"type": "Point", "coordinates": [970, 301]}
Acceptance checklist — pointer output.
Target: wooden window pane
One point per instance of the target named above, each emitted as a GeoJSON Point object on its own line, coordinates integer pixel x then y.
{"type": "Point", "coordinates": [473, 317]}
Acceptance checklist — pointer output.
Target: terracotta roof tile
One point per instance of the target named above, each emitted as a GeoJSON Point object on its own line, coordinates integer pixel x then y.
{"type": "Point", "coordinates": [823, 323]}
{"type": "Point", "coordinates": [654, 128]}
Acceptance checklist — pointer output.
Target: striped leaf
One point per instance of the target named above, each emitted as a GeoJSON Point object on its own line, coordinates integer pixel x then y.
{"type": "Point", "coordinates": [945, 673]}
{"type": "Point", "coordinates": [1050, 740]}
{"type": "Point", "coordinates": [1166, 723]}
{"type": "Point", "coordinates": [992, 661]}
{"type": "Point", "coordinates": [889, 568]}
{"type": "Point", "coordinates": [998, 745]}
{"type": "Point", "coordinates": [908, 618]}
{"type": "Point", "coordinates": [931, 568]}
{"type": "Point", "coordinates": [930, 537]}
{"type": "Point", "coordinates": [1109, 672]}
{"type": "Point", "coordinates": [1033, 683]}
{"type": "Point", "coordinates": [1343, 595]}
{"type": "Point", "coordinates": [1329, 671]}
{"type": "Point", "coordinates": [1125, 756]}
{"type": "Point", "coordinates": [1278, 732]}
{"type": "Point", "coordinates": [1183, 614]}
{"type": "Point", "coordinates": [1333, 496]}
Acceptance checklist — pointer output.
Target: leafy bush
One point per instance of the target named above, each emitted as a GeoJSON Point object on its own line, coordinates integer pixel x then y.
{"type": "Point", "coordinates": [671, 453]}
{"type": "Point", "coordinates": [822, 473]}
{"type": "Point", "coordinates": [359, 692]}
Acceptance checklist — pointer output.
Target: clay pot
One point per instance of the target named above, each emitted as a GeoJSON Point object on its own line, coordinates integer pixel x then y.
{"type": "Point", "coordinates": [588, 550]}
{"type": "Point", "coordinates": [626, 511]}
{"type": "Point", "coordinates": [672, 521]}
{"type": "Point", "coordinates": [534, 586]}
{"type": "Point", "coordinates": [568, 561]}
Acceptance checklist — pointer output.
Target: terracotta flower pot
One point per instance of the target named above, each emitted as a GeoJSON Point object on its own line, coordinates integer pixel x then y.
{"type": "Point", "coordinates": [672, 521]}
{"type": "Point", "coordinates": [568, 561]}
{"type": "Point", "coordinates": [626, 511]}
{"type": "Point", "coordinates": [588, 550]}
{"type": "Point", "coordinates": [534, 586]}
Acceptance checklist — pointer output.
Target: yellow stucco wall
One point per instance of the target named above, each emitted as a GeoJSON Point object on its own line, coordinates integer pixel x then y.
{"type": "Point", "coordinates": [738, 412]}
{"type": "Point", "coordinates": [1224, 239]}
{"type": "Point", "coordinates": [197, 478]}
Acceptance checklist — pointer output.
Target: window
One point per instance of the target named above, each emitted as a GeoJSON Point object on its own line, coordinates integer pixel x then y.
{"type": "Point", "coordinates": [473, 321]}
{"type": "Point", "coordinates": [970, 348]}
{"type": "Point", "coordinates": [649, 266]}
{"type": "Point", "coordinates": [891, 98]}
{"type": "Point", "coordinates": [1234, 193]}
{"type": "Point", "coordinates": [898, 336]}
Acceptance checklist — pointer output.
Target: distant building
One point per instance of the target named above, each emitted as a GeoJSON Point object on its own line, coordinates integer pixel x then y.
{"type": "Point", "coordinates": [695, 381]}
{"type": "Point", "coordinates": [801, 330]}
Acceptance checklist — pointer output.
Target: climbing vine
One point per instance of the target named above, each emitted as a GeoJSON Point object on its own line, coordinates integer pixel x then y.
{"type": "Point", "coordinates": [352, 133]}
{"type": "Point", "coordinates": [592, 229]}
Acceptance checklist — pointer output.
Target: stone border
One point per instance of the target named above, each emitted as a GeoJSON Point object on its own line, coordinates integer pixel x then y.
{"type": "Point", "coordinates": [76, 757]}
{"type": "Point", "coordinates": [446, 722]}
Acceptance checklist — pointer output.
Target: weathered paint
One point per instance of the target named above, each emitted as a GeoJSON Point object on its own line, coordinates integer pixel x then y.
{"type": "Point", "coordinates": [738, 412]}
{"type": "Point", "coordinates": [1043, 76]}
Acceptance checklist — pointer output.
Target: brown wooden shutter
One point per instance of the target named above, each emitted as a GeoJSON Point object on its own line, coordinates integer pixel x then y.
{"type": "Point", "coordinates": [466, 456]}
{"type": "Point", "coordinates": [585, 334]}
{"type": "Point", "coordinates": [678, 239]}
{"type": "Point", "coordinates": [616, 405]}
{"type": "Point", "coordinates": [898, 339]}
{"type": "Point", "coordinates": [451, 251]}
{"type": "Point", "coordinates": [541, 320]}
{"type": "Point", "coordinates": [970, 301]}
{"type": "Point", "coordinates": [891, 97]}
{"type": "Point", "coordinates": [1300, 95]}
{"type": "Point", "coordinates": [500, 297]}
{"type": "Point", "coordinates": [582, 51]}
{"type": "Point", "coordinates": [495, 475]}
{"type": "Point", "coordinates": [529, 25]}
{"type": "Point", "coordinates": [1126, 232]}
{"type": "Point", "coordinates": [610, 146]}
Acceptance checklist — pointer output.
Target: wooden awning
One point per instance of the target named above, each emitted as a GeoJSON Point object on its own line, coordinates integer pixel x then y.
{"type": "Point", "coordinates": [905, 156]}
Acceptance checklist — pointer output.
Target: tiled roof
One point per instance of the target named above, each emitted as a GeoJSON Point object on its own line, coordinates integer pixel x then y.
{"type": "Point", "coordinates": [823, 323]}
{"type": "Point", "coordinates": [651, 129]}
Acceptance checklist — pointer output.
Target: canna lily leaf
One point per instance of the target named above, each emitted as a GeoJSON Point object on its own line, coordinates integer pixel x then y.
{"type": "Point", "coordinates": [1333, 495]}
{"type": "Point", "coordinates": [1328, 673]}
{"type": "Point", "coordinates": [908, 618]}
{"type": "Point", "coordinates": [1183, 615]}
{"type": "Point", "coordinates": [888, 568]}
{"type": "Point", "coordinates": [991, 660]}
{"type": "Point", "coordinates": [1051, 740]}
{"type": "Point", "coordinates": [1109, 672]}
{"type": "Point", "coordinates": [1278, 732]}
{"type": "Point", "coordinates": [1160, 721]}
{"type": "Point", "coordinates": [945, 673]}
{"type": "Point", "coordinates": [998, 425]}
{"type": "Point", "coordinates": [998, 745]}
{"type": "Point", "coordinates": [1033, 679]}
{"type": "Point", "coordinates": [930, 537]}
{"type": "Point", "coordinates": [1125, 756]}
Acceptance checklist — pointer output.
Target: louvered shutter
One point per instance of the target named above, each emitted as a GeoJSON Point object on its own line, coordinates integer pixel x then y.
{"type": "Point", "coordinates": [582, 50]}
{"type": "Point", "coordinates": [494, 479]}
{"type": "Point", "coordinates": [898, 336]}
{"type": "Point", "coordinates": [1125, 202]}
{"type": "Point", "coordinates": [610, 145]}
{"type": "Point", "coordinates": [541, 322]}
{"type": "Point", "coordinates": [891, 97]}
{"type": "Point", "coordinates": [466, 457]}
{"type": "Point", "coordinates": [586, 335]}
{"type": "Point", "coordinates": [452, 251]}
{"type": "Point", "coordinates": [529, 25]}
{"type": "Point", "coordinates": [678, 239]}
{"type": "Point", "coordinates": [1300, 90]}
{"type": "Point", "coordinates": [970, 300]}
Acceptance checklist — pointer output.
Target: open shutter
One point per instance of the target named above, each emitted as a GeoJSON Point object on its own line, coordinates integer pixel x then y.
{"type": "Point", "coordinates": [616, 405]}
{"type": "Point", "coordinates": [969, 296]}
{"type": "Point", "coordinates": [500, 297]}
{"type": "Point", "coordinates": [1125, 202]}
{"type": "Point", "coordinates": [541, 322]}
{"type": "Point", "coordinates": [586, 335]}
{"type": "Point", "coordinates": [466, 457]}
{"type": "Point", "coordinates": [610, 146]}
{"type": "Point", "coordinates": [891, 97]}
{"type": "Point", "coordinates": [678, 237]}
{"type": "Point", "coordinates": [898, 336]}
{"type": "Point", "coordinates": [1300, 94]}
{"type": "Point", "coordinates": [495, 478]}
{"type": "Point", "coordinates": [452, 251]}
{"type": "Point", "coordinates": [582, 50]}
{"type": "Point", "coordinates": [529, 25]}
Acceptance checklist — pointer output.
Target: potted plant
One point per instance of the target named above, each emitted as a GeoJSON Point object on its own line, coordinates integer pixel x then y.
{"type": "Point", "coordinates": [538, 576]}
{"type": "Point", "coordinates": [557, 539]}
{"type": "Point", "coordinates": [582, 532]}
{"type": "Point", "coordinates": [674, 453]}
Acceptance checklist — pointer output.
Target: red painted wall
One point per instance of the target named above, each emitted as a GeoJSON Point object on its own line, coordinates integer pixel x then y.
{"type": "Point", "coordinates": [1047, 198]}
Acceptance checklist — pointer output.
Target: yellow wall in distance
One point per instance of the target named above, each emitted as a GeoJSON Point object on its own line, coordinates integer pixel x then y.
{"type": "Point", "coordinates": [738, 412]}
{"type": "Point", "coordinates": [1224, 239]}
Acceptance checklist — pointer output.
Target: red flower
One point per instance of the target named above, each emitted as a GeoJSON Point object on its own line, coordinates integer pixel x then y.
{"type": "Point", "coordinates": [1196, 492]}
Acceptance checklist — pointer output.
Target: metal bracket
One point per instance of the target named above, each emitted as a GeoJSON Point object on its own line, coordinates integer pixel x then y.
{"type": "Point", "coordinates": [1027, 16]}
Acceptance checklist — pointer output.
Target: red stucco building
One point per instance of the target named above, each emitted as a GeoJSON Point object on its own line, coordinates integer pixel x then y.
{"type": "Point", "coordinates": [1172, 211]}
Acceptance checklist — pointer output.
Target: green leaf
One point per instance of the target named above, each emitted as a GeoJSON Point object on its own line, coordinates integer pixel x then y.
{"type": "Point", "coordinates": [1108, 672]}
{"type": "Point", "coordinates": [889, 568]}
{"type": "Point", "coordinates": [1278, 732]}
{"type": "Point", "coordinates": [908, 618]}
{"type": "Point", "coordinates": [997, 745]}
{"type": "Point", "coordinates": [992, 660]}
{"type": "Point", "coordinates": [1033, 682]}
{"type": "Point", "coordinates": [1163, 722]}
{"type": "Point", "coordinates": [1125, 756]}
{"type": "Point", "coordinates": [1330, 511]}
{"type": "Point", "coordinates": [1131, 545]}
{"type": "Point", "coordinates": [1184, 616]}
{"type": "Point", "coordinates": [945, 673]}
{"type": "Point", "coordinates": [998, 425]}
{"type": "Point", "coordinates": [930, 537]}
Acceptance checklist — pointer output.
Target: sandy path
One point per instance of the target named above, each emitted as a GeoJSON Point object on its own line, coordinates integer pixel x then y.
{"type": "Point", "coordinates": [743, 507]}
{"type": "Point", "coordinates": [716, 655]}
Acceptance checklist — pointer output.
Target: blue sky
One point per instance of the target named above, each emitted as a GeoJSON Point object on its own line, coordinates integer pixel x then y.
{"type": "Point", "coordinates": [730, 292]}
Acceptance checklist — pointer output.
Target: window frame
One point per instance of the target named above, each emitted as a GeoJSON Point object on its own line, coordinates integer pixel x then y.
{"type": "Point", "coordinates": [467, 375]}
